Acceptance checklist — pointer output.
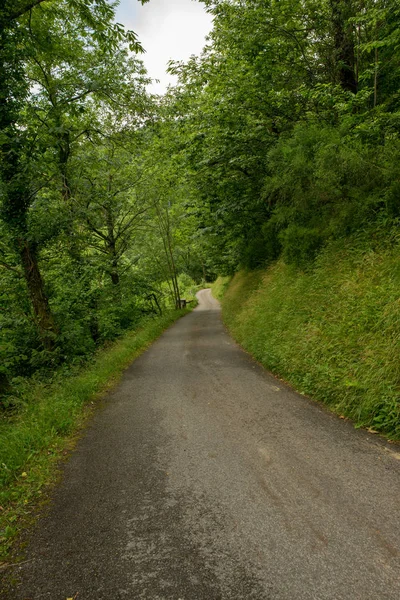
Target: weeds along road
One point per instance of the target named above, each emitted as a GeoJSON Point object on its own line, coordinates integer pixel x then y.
{"type": "Point", "coordinates": [205, 478]}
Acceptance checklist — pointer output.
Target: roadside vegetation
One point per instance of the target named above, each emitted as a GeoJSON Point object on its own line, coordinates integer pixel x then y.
{"type": "Point", "coordinates": [332, 331]}
{"type": "Point", "coordinates": [34, 438]}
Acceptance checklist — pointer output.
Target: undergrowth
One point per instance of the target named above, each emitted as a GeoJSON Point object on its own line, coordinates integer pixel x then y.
{"type": "Point", "coordinates": [333, 331]}
{"type": "Point", "coordinates": [220, 286]}
{"type": "Point", "coordinates": [33, 439]}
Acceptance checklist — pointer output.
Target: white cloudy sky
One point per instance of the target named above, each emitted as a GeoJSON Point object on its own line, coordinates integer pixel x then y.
{"type": "Point", "coordinates": [168, 29]}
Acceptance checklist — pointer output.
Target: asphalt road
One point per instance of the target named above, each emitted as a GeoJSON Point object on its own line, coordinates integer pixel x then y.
{"type": "Point", "coordinates": [205, 478]}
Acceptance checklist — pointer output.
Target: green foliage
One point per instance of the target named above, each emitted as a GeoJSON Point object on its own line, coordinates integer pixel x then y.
{"type": "Point", "coordinates": [300, 244]}
{"type": "Point", "coordinates": [220, 286]}
{"type": "Point", "coordinates": [326, 184]}
{"type": "Point", "coordinates": [290, 118]}
{"type": "Point", "coordinates": [333, 331]}
{"type": "Point", "coordinates": [70, 165]}
{"type": "Point", "coordinates": [188, 287]}
{"type": "Point", "coordinates": [263, 247]}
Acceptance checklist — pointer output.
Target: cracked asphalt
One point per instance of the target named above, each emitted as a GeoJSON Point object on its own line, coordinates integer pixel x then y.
{"type": "Point", "coordinates": [205, 478]}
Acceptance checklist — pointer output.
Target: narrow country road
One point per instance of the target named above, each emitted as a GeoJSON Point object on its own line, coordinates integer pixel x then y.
{"type": "Point", "coordinates": [205, 478]}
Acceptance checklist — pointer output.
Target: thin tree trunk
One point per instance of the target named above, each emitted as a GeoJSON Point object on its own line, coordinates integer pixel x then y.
{"type": "Point", "coordinates": [111, 243]}
{"type": "Point", "coordinates": [112, 250]}
{"type": "Point", "coordinates": [157, 303]}
{"type": "Point", "coordinates": [174, 278]}
{"type": "Point", "coordinates": [152, 297]}
{"type": "Point", "coordinates": [168, 237]}
{"type": "Point", "coordinates": [40, 303]}
{"type": "Point", "coordinates": [376, 78]}
{"type": "Point", "coordinates": [171, 290]}
{"type": "Point", "coordinates": [164, 227]}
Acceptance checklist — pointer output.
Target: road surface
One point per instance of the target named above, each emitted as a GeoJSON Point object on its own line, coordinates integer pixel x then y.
{"type": "Point", "coordinates": [205, 478]}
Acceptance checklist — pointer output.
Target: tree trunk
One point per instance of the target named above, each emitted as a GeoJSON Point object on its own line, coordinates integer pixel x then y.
{"type": "Point", "coordinates": [4, 384]}
{"type": "Point", "coordinates": [157, 303]}
{"type": "Point", "coordinates": [344, 44]}
{"type": "Point", "coordinates": [111, 241]}
{"type": "Point", "coordinates": [165, 232]}
{"type": "Point", "coordinates": [114, 276]}
{"type": "Point", "coordinates": [376, 78]}
{"type": "Point", "coordinates": [40, 303]}
{"type": "Point", "coordinates": [112, 250]}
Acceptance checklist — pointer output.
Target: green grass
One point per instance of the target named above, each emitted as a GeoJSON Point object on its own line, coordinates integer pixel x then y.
{"type": "Point", "coordinates": [220, 286]}
{"type": "Point", "coordinates": [34, 440]}
{"type": "Point", "coordinates": [332, 332]}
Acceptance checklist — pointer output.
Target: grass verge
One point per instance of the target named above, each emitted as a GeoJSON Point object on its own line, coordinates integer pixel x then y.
{"type": "Point", "coordinates": [33, 442]}
{"type": "Point", "coordinates": [333, 332]}
{"type": "Point", "coordinates": [220, 286]}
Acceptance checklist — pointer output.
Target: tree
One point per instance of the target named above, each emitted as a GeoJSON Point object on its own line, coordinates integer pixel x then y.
{"type": "Point", "coordinates": [39, 128]}
{"type": "Point", "coordinates": [108, 202]}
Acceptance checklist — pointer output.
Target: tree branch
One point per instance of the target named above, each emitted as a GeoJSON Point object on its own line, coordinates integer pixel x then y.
{"type": "Point", "coordinates": [18, 12]}
{"type": "Point", "coordinates": [122, 230]}
{"type": "Point", "coordinates": [96, 231]}
{"type": "Point", "coordinates": [10, 268]}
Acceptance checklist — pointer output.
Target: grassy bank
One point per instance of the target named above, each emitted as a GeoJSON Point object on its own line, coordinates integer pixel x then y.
{"type": "Point", "coordinates": [333, 332]}
{"type": "Point", "coordinates": [33, 441]}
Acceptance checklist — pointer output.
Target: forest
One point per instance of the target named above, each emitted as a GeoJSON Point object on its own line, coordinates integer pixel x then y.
{"type": "Point", "coordinates": [281, 136]}
{"type": "Point", "coordinates": [280, 141]}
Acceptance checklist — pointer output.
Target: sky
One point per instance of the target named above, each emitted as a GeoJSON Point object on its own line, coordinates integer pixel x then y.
{"type": "Point", "coordinates": [167, 29]}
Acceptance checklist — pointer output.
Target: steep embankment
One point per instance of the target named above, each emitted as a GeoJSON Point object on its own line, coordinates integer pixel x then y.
{"type": "Point", "coordinates": [333, 331]}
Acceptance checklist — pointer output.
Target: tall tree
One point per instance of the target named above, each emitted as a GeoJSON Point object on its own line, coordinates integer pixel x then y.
{"type": "Point", "coordinates": [66, 72]}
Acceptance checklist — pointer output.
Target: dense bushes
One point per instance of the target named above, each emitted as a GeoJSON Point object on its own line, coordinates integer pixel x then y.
{"type": "Point", "coordinates": [86, 317]}
{"type": "Point", "coordinates": [90, 203]}
{"type": "Point", "coordinates": [325, 183]}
